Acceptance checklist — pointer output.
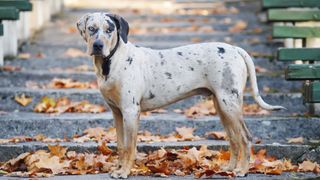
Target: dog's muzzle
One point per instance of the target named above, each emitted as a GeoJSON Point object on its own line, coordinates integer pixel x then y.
{"type": "Point", "coordinates": [97, 47]}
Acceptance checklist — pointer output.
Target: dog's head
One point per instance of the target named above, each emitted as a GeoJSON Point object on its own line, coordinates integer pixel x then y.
{"type": "Point", "coordinates": [101, 31]}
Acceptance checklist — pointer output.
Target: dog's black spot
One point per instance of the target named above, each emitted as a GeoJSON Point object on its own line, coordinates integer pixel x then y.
{"type": "Point", "coordinates": [191, 68]}
{"type": "Point", "coordinates": [162, 63]}
{"type": "Point", "coordinates": [151, 96]}
{"type": "Point", "coordinates": [137, 104]}
{"type": "Point", "coordinates": [206, 75]}
{"type": "Point", "coordinates": [130, 60]}
{"type": "Point", "coordinates": [129, 91]}
{"type": "Point", "coordinates": [137, 46]}
{"type": "Point", "coordinates": [133, 101]}
{"type": "Point", "coordinates": [178, 88]}
{"type": "Point", "coordinates": [125, 68]}
{"type": "Point", "coordinates": [169, 75]}
{"type": "Point", "coordinates": [235, 91]}
{"type": "Point", "coordinates": [161, 55]}
{"type": "Point", "coordinates": [199, 62]}
{"type": "Point", "coordinates": [224, 101]}
{"type": "Point", "coordinates": [179, 53]}
{"type": "Point", "coordinates": [153, 85]}
{"type": "Point", "coordinates": [221, 50]}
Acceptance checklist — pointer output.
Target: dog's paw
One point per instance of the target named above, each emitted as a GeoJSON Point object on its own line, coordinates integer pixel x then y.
{"type": "Point", "coordinates": [120, 173]}
{"type": "Point", "coordinates": [240, 172]}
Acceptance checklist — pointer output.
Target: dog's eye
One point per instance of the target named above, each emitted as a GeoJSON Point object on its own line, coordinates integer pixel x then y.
{"type": "Point", "coordinates": [91, 28]}
{"type": "Point", "coordinates": [109, 30]}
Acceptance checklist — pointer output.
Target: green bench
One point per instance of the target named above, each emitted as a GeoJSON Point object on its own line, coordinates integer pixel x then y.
{"type": "Point", "coordinates": [22, 5]}
{"type": "Point", "coordinates": [308, 71]}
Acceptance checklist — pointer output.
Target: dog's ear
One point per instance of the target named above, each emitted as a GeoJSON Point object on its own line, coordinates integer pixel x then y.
{"type": "Point", "coordinates": [122, 26]}
{"type": "Point", "coordinates": [82, 25]}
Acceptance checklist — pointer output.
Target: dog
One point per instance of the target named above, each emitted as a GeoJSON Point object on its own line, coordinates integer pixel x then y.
{"type": "Point", "coordinates": [135, 79]}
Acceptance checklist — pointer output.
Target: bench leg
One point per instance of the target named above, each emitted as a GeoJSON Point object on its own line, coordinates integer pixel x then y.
{"type": "Point", "coordinates": [314, 108]}
{"type": "Point", "coordinates": [10, 29]}
{"type": "Point", "coordinates": [23, 26]}
{"type": "Point", "coordinates": [1, 51]}
{"type": "Point", "coordinates": [36, 18]}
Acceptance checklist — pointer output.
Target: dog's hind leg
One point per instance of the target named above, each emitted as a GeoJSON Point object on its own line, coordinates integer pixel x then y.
{"type": "Point", "coordinates": [230, 111]}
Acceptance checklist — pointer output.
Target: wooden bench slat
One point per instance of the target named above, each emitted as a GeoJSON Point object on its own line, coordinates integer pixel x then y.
{"type": "Point", "coordinates": [293, 54]}
{"type": "Point", "coordinates": [22, 5]}
{"type": "Point", "coordinates": [293, 15]}
{"type": "Point", "coordinates": [9, 13]}
{"type": "Point", "coordinates": [1, 29]}
{"type": "Point", "coordinates": [279, 31]}
{"type": "Point", "coordinates": [289, 3]}
{"type": "Point", "coordinates": [303, 72]}
{"type": "Point", "coordinates": [312, 92]}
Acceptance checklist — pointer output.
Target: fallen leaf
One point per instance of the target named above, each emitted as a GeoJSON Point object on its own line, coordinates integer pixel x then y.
{"type": "Point", "coordinates": [73, 53]}
{"type": "Point", "coordinates": [23, 99]}
{"type": "Point", "coordinates": [10, 68]}
{"type": "Point", "coordinates": [307, 166]}
{"type": "Point", "coordinates": [219, 135]}
{"type": "Point", "coordinates": [24, 56]}
{"type": "Point", "coordinates": [298, 140]}
{"type": "Point", "coordinates": [239, 26]}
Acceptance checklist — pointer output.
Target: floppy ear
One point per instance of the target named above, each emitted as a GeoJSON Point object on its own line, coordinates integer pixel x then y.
{"type": "Point", "coordinates": [82, 25]}
{"type": "Point", "coordinates": [122, 26]}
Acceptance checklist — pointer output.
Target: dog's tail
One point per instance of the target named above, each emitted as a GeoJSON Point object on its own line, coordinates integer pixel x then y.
{"type": "Point", "coordinates": [253, 80]}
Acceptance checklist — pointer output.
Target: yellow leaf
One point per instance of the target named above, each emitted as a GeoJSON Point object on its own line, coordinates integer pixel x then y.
{"type": "Point", "coordinates": [23, 100]}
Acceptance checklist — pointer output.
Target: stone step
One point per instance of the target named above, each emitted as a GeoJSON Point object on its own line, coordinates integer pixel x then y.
{"type": "Point", "coordinates": [293, 101]}
{"type": "Point", "coordinates": [19, 79]}
{"type": "Point", "coordinates": [296, 153]}
{"type": "Point", "coordinates": [75, 40]}
{"type": "Point", "coordinates": [267, 128]}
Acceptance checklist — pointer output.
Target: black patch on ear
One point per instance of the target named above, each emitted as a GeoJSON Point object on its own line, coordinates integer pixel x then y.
{"type": "Point", "coordinates": [111, 25]}
{"type": "Point", "coordinates": [221, 50]}
{"type": "Point", "coordinates": [122, 26]}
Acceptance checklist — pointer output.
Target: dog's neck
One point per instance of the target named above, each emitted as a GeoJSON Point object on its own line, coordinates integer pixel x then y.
{"type": "Point", "coordinates": [104, 65]}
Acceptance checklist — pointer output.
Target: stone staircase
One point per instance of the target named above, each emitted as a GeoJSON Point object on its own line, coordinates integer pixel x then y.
{"type": "Point", "coordinates": [54, 40]}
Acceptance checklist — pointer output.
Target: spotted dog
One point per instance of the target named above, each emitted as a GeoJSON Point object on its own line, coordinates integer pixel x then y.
{"type": "Point", "coordinates": [135, 79]}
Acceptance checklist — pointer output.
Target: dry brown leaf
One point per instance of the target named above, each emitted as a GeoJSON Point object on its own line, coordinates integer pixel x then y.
{"type": "Point", "coordinates": [24, 56]}
{"type": "Point", "coordinates": [57, 150]}
{"type": "Point", "coordinates": [307, 166]}
{"type": "Point", "coordinates": [69, 83]}
{"type": "Point", "coordinates": [23, 99]}
{"type": "Point", "coordinates": [73, 53]}
{"type": "Point", "coordinates": [186, 133]}
{"type": "Point", "coordinates": [239, 26]}
{"type": "Point", "coordinates": [10, 68]}
{"type": "Point", "coordinates": [298, 140]}
{"type": "Point", "coordinates": [104, 149]}
{"type": "Point", "coordinates": [62, 105]}
{"type": "Point", "coordinates": [219, 135]}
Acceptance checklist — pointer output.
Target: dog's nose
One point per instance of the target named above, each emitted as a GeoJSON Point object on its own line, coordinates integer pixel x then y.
{"type": "Point", "coordinates": [98, 45]}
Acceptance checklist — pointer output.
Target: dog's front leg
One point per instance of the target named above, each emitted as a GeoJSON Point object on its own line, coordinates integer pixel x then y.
{"type": "Point", "coordinates": [118, 123]}
{"type": "Point", "coordinates": [130, 128]}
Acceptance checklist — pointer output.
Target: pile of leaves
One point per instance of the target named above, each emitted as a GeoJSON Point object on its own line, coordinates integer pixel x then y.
{"type": "Point", "coordinates": [57, 83]}
{"type": "Point", "coordinates": [207, 108]}
{"type": "Point", "coordinates": [99, 134]}
{"type": "Point", "coordinates": [62, 105]}
{"type": "Point", "coordinates": [163, 162]}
